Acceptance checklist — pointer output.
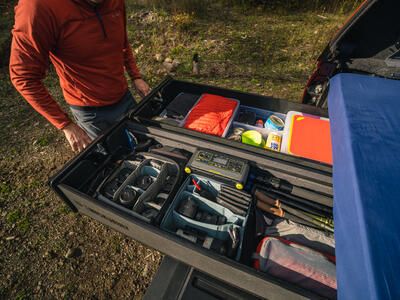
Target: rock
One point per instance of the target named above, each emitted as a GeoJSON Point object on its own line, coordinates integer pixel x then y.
{"type": "Point", "coordinates": [59, 286]}
{"type": "Point", "coordinates": [138, 49]}
{"type": "Point", "coordinates": [171, 65]}
{"type": "Point", "coordinates": [73, 253]}
{"type": "Point", "coordinates": [168, 66]}
{"type": "Point", "coordinates": [145, 270]}
{"type": "Point", "coordinates": [176, 63]}
{"type": "Point", "coordinates": [50, 254]}
{"type": "Point", "coordinates": [158, 57]}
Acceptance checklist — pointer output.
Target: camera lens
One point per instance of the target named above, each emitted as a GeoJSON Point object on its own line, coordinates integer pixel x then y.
{"type": "Point", "coordinates": [128, 197]}
{"type": "Point", "coordinates": [111, 188]}
{"type": "Point", "coordinates": [188, 208]}
{"type": "Point", "coordinates": [210, 219]}
{"type": "Point", "coordinates": [123, 174]}
{"type": "Point", "coordinates": [144, 182]}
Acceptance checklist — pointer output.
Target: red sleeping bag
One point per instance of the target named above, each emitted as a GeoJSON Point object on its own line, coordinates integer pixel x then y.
{"type": "Point", "coordinates": [211, 114]}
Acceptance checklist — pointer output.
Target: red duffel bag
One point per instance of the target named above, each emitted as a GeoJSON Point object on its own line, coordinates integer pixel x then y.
{"type": "Point", "coordinates": [297, 264]}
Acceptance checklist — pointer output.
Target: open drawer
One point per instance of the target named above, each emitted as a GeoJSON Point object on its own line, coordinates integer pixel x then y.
{"type": "Point", "coordinates": [154, 110]}
{"type": "Point", "coordinates": [83, 184]}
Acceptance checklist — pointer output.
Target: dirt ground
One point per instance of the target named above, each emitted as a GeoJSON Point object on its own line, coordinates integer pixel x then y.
{"type": "Point", "coordinates": [46, 251]}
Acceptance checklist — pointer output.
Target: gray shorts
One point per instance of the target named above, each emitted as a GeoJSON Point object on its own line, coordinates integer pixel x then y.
{"type": "Point", "coordinates": [95, 120]}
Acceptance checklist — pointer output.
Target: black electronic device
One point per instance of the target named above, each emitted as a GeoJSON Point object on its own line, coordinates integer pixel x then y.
{"type": "Point", "coordinates": [228, 167]}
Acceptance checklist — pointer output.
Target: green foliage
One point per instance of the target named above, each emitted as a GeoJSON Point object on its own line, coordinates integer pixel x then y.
{"type": "Point", "coordinates": [23, 225]}
{"type": "Point", "coordinates": [21, 295]}
{"type": "Point", "coordinates": [43, 141]}
{"type": "Point", "coordinates": [183, 21]}
{"type": "Point", "coordinates": [17, 218]}
{"type": "Point", "coordinates": [202, 7]}
{"type": "Point", "coordinates": [5, 189]}
{"type": "Point", "coordinates": [13, 217]}
{"type": "Point", "coordinates": [64, 209]}
{"type": "Point", "coordinates": [336, 6]}
{"type": "Point", "coordinates": [6, 21]}
{"type": "Point", "coordinates": [198, 7]}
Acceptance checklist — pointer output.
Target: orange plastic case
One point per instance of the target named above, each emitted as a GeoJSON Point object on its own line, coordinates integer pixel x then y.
{"type": "Point", "coordinates": [307, 136]}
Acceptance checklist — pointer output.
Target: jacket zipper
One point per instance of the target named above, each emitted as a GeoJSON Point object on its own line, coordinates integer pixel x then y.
{"type": "Point", "coordinates": [100, 21]}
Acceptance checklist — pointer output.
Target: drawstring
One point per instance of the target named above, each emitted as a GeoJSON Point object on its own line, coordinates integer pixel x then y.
{"type": "Point", "coordinates": [100, 21]}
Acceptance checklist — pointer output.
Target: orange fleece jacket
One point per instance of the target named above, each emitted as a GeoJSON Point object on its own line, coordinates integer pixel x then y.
{"type": "Point", "coordinates": [87, 45]}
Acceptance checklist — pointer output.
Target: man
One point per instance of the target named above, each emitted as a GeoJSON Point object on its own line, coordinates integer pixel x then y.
{"type": "Point", "coordinates": [86, 41]}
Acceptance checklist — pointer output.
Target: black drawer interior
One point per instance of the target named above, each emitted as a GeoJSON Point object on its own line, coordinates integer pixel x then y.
{"type": "Point", "coordinates": [155, 104]}
{"type": "Point", "coordinates": [170, 88]}
{"type": "Point", "coordinates": [81, 183]}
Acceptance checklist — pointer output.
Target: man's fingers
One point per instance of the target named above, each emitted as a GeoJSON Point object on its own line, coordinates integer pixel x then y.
{"type": "Point", "coordinates": [77, 137]}
{"type": "Point", "coordinates": [142, 87]}
{"type": "Point", "coordinates": [74, 146]}
{"type": "Point", "coordinates": [78, 145]}
{"type": "Point", "coordinates": [147, 90]}
{"type": "Point", "coordinates": [86, 140]}
{"type": "Point", "coordinates": [85, 144]}
{"type": "Point", "coordinates": [141, 93]}
{"type": "Point", "coordinates": [81, 146]}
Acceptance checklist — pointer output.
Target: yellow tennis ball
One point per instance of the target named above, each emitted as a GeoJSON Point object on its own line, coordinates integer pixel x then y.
{"type": "Point", "coordinates": [253, 137]}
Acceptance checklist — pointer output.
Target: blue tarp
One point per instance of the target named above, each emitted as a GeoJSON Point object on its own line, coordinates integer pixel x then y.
{"type": "Point", "coordinates": [365, 128]}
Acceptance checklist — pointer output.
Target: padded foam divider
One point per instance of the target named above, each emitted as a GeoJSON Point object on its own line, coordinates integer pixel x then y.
{"type": "Point", "coordinates": [155, 166]}
{"type": "Point", "coordinates": [261, 114]}
{"type": "Point", "coordinates": [174, 220]}
{"type": "Point", "coordinates": [216, 231]}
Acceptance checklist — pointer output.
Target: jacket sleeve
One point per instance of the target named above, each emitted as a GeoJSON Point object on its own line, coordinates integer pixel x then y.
{"type": "Point", "coordinates": [34, 35]}
{"type": "Point", "coordinates": [129, 58]}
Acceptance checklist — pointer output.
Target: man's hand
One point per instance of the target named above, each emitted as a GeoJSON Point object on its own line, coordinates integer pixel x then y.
{"type": "Point", "coordinates": [141, 87]}
{"type": "Point", "coordinates": [76, 137]}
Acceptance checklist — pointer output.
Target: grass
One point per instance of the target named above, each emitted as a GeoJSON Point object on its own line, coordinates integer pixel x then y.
{"type": "Point", "coordinates": [268, 48]}
{"type": "Point", "coordinates": [6, 19]}
{"type": "Point", "coordinates": [15, 217]}
{"type": "Point", "coordinates": [5, 188]}
{"type": "Point", "coordinates": [22, 295]}
{"type": "Point", "coordinates": [43, 141]}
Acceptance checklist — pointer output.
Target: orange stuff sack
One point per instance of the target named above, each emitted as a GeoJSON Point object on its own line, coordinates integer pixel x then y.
{"type": "Point", "coordinates": [211, 114]}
